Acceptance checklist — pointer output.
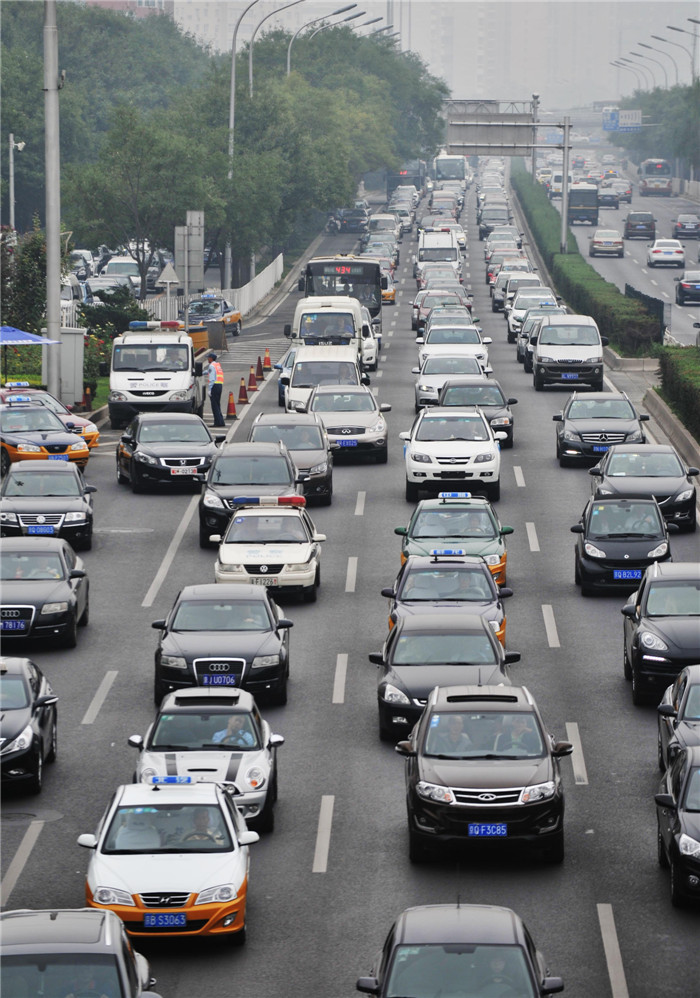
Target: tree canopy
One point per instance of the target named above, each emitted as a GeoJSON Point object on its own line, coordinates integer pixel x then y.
{"type": "Point", "coordinates": [671, 125]}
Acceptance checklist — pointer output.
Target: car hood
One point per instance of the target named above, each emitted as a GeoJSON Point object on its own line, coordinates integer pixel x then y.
{"type": "Point", "coordinates": [612, 426]}
{"type": "Point", "coordinates": [231, 491]}
{"type": "Point", "coordinates": [306, 459]}
{"type": "Point", "coordinates": [234, 554]}
{"type": "Point", "coordinates": [207, 766]}
{"type": "Point", "coordinates": [679, 633]}
{"type": "Point", "coordinates": [175, 448]}
{"type": "Point", "coordinates": [644, 488]}
{"type": "Point", "coordinates": [12, 723]}
{"type": "Point", "coordinates": [470, 545]}
{"type": "Point", "coordinates": [626, 548]}
{"type": "Point", "coordinates": [182, 872]}
{"type": "Point", "coordinates": [414, 608]}
{"type": "Point", "coordinates": [496, 774]}
{"type": "Point", "coordinates": [419, 680]}
{"type": "Point", "coordinates": [43, 504]}
{"type": "Point", "coordinates": [35, 591]}
{"type": "Point", "coordinates": [690, 824]}
{"type": "Point", "coordinates": [224, 644]}
{"type": "Point", "coordinates": [334, 421]}
{"type": "Point", "coordinates": [687, 733]}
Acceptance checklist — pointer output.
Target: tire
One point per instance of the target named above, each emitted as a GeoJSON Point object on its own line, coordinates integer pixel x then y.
{"type": "Point", "coordinates": [70, 638]}
{"type": "Point", "coordinates": [200, 410]}
{"type": "Point", "coordinates": [238, 938]}
{"type": "Point", "coordinates": [204, 533]}
{"type": "Point", "coordinates": [508, 444]}
{"type": "Point", "coordinates": [511, 337]}
{"type": "Point", "coordinates": [279, 697]}
{"type": "Point", "coordinates": [411, 492]}
{"type": "Point", "coordinates": [587, 591]}
{"type": "Point", "coordinates": [236, 329]}
{"type": "Point", "coordinates": [626, 666]}
{"type": "Point", "coordinates": [159, 691]}
{"type": "Point", "coordinates": [265, 822]}
{"type": "Point", "coordinates": [85, 616]}
{"type": "Point", "coordinates": [53, 748]}
{"type": "Point", "coordinates": [660, 754]}
{"type": "Point", "coordinates": [577, 572]}
{"type": "Point", "coordinates": [678, 900]}
{"type": "Point", "coordinates": [4, 463]}
{"type": "Point", "coordinates": [37, 781]}
{"type": "Point", "coordinates": [554, 853]}
{"type": "Point", "coordinates": [137, 486]}
{"type": "Point", "coordinates": [86, 543]}
{"type": "Point", "coordinates": [383, 456]}
{"type": "Point", "coordinates": [121, 478]}
{"type": "Point", "coordinates": [115, 424]}
{"type": "Point", "coordinates": [621, 254]}
{"type": "Point", "coordinates": [310, 594]}
{"type": "Point", "coordinates": [692, 526]}
{"type": "Point", "coordinates": [417, 851]}
{"type": "Point", "coordinates": [660, 851]}
{"type": "Point", "coordinates": [537, 383]}
{"type": "Point", "coordinates": [495, 491]}
{"type": "Point", "coordinates": [639, 696]}
{"type": "Point", "coordinates": [527, 364]}
{"type": "Point", "coordinates": [327, 499]}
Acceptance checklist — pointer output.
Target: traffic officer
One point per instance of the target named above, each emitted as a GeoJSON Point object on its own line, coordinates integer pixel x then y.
{"type": "Point", "coordinates": [216, 386]}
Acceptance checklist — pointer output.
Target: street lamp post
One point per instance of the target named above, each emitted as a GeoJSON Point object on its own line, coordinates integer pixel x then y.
{"type": "Point", "coordinates": [630, 69]}
{"type": "Point", "coordinates": [260, 23]}
{"type": "Point", "coordinates": [640, 55]}
{"type": "Point", "coordinates": [11, 166]}
{"type": "Point", "coordinates": [344, 21]}
{"type": "Point", "coordinates": [324, 17]}
{"type": "Point", "coordinates": [691, 55]}
{"type": "Point", "coordinates": [535, 108]}
{"type": "Point", "coordinates": [642, 69]}
{"type": "Point", "coordinates": [661, 52]}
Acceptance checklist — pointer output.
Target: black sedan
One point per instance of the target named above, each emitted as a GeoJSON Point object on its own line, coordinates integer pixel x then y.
{"type": "Point", "coordinates": [47, 498]}
{"type": "Point", "coordinates": [618, 539]}
{"type": "Point", "coordinates": [688, 287]}
{"type": "Point", "coordinates": [590, 424]}
{"type": "Point", "coordinates": [430, 650]}
{"type": "Point", "coordinates": [679, 715]}
{"type": "Point", "coordinates": [45, 590]}
{"type": "Point", "coordinates": [459, 949]}
{"type": "Point", "coordinates": [608, 197]}
{"type": "Point", "coordinates": [165, 449]}
{"type": "Point", "coordinates": [654, 471]}
{"type": "Point", "coordinates": [220, 635]}
{"type": "Point", "coordinates": [488, 395]}
{"type": "Point", "coordinates": [678, 825]}
{"type": "Point", "coordinates": [28, 723]}
{"type": "Point", "coordinates": [686, 226]}
{"type": "Point", "coordinates": [661, 627]}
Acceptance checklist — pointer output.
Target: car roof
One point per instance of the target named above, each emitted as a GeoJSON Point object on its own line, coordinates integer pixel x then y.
{"type": "Point", "coordinates": [643, 448]}
{"type": "Point", "coordinates": [488, 697]}
{"type": "Point", "coordinates": [675, 570]}
{"type": "Point", "coordinates": [289, 418]}
{"type": "Point", "coordinates": [168, 417]}
{"type": "Point", "coordinates": [13, 664]}
{"type": "Point", "coordinates": [253, 447]}
{"type": "Point", "coordinates": [135, 794]}
{"type": "Point", "coordinates": [212, 699]}
{"type": "Point", "coordinates": [430, 561]}
{"type": "Point", "coordinates": [58, 931]}
{"type": "Point", "coordinates": [53, 467]}
{"type": "Point", "coordinates": [459, 923]}
{"type": "Point", "coordinates": [437, 503]}
{"type": "Point", "coordinates": [33, 545]}
{"type": "Point", "coordinates": [232, 590]}
{"type": "Point", "coordinates": [467, 623]}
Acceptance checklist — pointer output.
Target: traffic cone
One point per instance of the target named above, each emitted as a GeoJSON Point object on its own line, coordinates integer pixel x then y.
{"type": "Point", "coordinates": [87, 399]}
{"type": "Point", "coordinates": [267, 363]}
{"type": "Point", "coordinates": [243, 394]}
{"type": "Point", "coordinates": [252, 383]}
{"type": "Point", "coordinates": [231, 408]}
{"type": "Point", "coordinates": [259, 374]}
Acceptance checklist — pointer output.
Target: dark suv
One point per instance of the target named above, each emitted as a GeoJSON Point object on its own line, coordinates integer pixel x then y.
{"type": "Point", "coordinates": [481, 768]}
{"type": "Point", "coordinates": [639, 225]}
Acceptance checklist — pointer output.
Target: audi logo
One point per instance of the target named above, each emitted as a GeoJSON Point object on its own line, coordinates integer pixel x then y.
{"type": "Point", "coordinates": [219, 667]}
{"type": "Point", "coordinates": [10, 613]}
{"type": "Point", "coordinates": [486, 797]}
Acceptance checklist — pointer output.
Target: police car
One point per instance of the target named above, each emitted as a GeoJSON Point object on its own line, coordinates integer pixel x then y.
{"type": "Point", "coordinates": [271, 541]}
{"type": "Point", "coordinates": [21, 391]}
{"type": "Point", "coordinates": [214, 308]}
{"type": "Point", "coordinates": [33, 433]}
{"type": "Point", "coordinates": [172, 859]}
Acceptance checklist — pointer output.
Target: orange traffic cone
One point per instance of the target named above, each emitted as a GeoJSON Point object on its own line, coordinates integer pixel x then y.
{"type": "Point", "coordinates": [231, 409]}
{"type": "Point", "coordinates": [259, 374]}
{"type": "Point", "coordinates": [243, 394]}
{"type": "Point", "coordinates": [267, 363]}
{"type": "Point", "coordinates": [87, 399]}
{"type": "Point", "coordinates": [252, 383]}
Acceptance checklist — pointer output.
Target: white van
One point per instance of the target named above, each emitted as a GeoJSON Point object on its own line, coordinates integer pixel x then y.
{"type": "Point", "coordinates": [567, 350]}
{"type": "Point", "coordinates": [123, 266]}
{"type": "Point", "coordinates": [154, 370]}
{"type": "Point", "coordinates": [437, 245]}
{"type": "Point", "coordinates": [555, 187]}
{"type": "Point", "coordinates": [320, 365]}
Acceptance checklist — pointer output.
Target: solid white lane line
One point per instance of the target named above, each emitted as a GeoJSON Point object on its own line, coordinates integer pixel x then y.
{"type": "Point", "coordinates": [122, 530]}
{"type": "Point", "coordinates": [550, 626]}
{"type": "Point", "coordinates": [170, 553]}
{"type": "Point", "coordinates": [99, 697]}
{"type": "Point", "coordinates": [360, 504]}
{"type": "Point", "coordinates": [323, 834]}
{"type": "Point", "coordinates": [519, 477]}
{"type": "Point", "coordinates": [19, 860]}
{"type": "Point", "coordinates": [341, 668]}
{"type": "Point", "coordinates": [351, 577]}
{"type": "Point", "coordinates": [532, 537]}
{"type": "Point", "coordinates": [613, 957]}
{"type": "Point", "coordinates": [577, 760]}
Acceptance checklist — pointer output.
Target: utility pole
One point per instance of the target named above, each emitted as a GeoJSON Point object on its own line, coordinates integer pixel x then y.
{"type": "Point", "coordinates": [565, 189]}
{"type": "Point", "coordinates": [52, 84]}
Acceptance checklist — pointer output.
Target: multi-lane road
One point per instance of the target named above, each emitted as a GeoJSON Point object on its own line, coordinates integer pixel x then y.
{"type": "Point", "coordinates": [326, 885]}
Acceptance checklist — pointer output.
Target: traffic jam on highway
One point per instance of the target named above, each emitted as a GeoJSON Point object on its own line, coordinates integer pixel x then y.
{"type": "Point", "coordinates": [390, 553]}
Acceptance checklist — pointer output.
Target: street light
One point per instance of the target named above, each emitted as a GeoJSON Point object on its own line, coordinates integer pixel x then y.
{"type": "Point", "coordinates": [344, 21]}
{"type": "Point", "coordinates": [373, 21]}
{"type": "Point", "coordinates": [642, 69]}
{"type": "Point", "coordinates": [260, 23]}
{"type": "Point", "coordinates": [378, 31]}
{"type": "Point", "coordinates": [694, 36]}
{"type": "Point", "coordinates": [630, 69]}
{"type": "Point", "coordinates": [324, 17]}
{"type": "Point", "coordinates": [13, 145]}
{"type": "Point", "coordinates": [640, 55]}
{"type": "Point", "coordinates": [661, 52]}
{"type": "Point", "coordinates": [667, 41]}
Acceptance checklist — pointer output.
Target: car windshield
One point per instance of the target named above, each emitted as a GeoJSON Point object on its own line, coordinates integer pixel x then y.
{"type": "Point", "coordinates": [39, 420]}
{"type": "Point", "coordinates": [294, 437]}
{"type": "Point", "coordinates": [507, 735]}
{"type": "Point", "coordinates": [273, 528]}
{"type": "Point", "coordinates": [448, 582]}
{"type": "Point", "coordinates": [14, 693]}
{"type": "Point", "coordinates": [150, 357]}
{"type": "Point", "coordinates": [127, 267]}
{"type": "Point", "coordinates": [344, 402]}
{"type": "Point", "coordinates": [446, 522]}
{"type": "Point", "coordinates": [438, 253]}
{"type": "Point", "coordinates": [451, 365]}
{"type": "Point", "coordinates": [35, 566]}
{"type": "Point", "coordinates": [691, 801]}
{"type": "Point", "coordinates": [310, 373]}
{"type": "Point", "coordinates": [470, 428]}
{"type": "Point", "coordinates": [204, 730]}
{"type": "Point", "coordinates": [439, 335]}
{"type": "Point", "coordinates": [205, 308]}
{"type": "Point", "coordinates": [244, 470]}
{"type": "Point", "coordinates": [424, 971]}
{"type": "Point", "coordinates": [221, 615]}
{"type": "Point", "coordinates": [174, 432]}
{"type": "Point", "coordinates": [632, 519]}
{"type": "Point", "coordinates": [569, 336]}
{"type": "Point", "coordinates": [473, 395]}
{"type": "Point", "coordinates": [643, 465]}
{"type": "Point", "coordinates": [38, 483]}
{"type": "Point", "coordinates": [60, 974]}
{"type": "Point", "coordinates": [163, 828]}
{"type": "Point", "coordinates": [445, 648]}
{"type": "Point", "coordinates": [600, 409]}
{"type": "Point", "coordinates": [674, 599]}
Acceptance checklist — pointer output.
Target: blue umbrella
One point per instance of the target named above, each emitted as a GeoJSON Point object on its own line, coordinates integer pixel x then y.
{"type": "Point", "coordinates": [11, 337]}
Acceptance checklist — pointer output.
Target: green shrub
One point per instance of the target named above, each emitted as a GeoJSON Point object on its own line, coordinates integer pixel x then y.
{"type": "Point", "coordinates": [680, 384]}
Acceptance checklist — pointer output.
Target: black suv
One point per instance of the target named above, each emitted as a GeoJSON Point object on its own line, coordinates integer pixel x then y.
{"type": "Point", "coordinates": [481, 768]}
{"type": "Point", "coordinates": [48, 498]}
{"type": "Point", "coordinates": [590, 424]}
{"type": "Point", "coordinates": [639, 225]}
{"type": "Point", "coordinates": [77, 951]}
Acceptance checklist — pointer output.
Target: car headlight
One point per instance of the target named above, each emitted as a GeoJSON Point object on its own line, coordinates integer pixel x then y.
{"type": "Point", "coordinates": [681, 497]}
{"type": "Point", "coordinates": [255, 777]}
{"type": "Point", "coordinates": [116, 397]}
{"type": "Point", "coordinates": [147, 773]}
{"type": "Point", "coordinates": [501, 421]}
{"type": "Point", "coordinates": [8, 518]}
{"type": "Point", "coordinates": [493, 559]}
{"type": "Point", "coordinates": [21, 743]}
{"type": "Point", "coordinates": [485, 457]}
{"type": "Point", "coordinates": [297, 567]}
{"type": "Point", "coordinates": [75, 517]}
{"type": "Point", "coordinates": [659, 551]}
{"type": "Point", "coordinates": [391, 694]}
{"type": "Point", "coordinates": [572, 435]}
{"type": "Point", "coordinates": [319, 469]}
{"type": "Point", "coordinates": [265, 661]}
{"type": "Point", "coordinates": [173, 661]}
{"type": "Point", "coordinates": [593, 360]}
{"type": "Point", "coordinates": [89, 428]}
{"type": "Point", "coordinates": [80, 445]}
{"type": "Point", "coordinates": [225, 892]}
{"type": "Point", "coordinates": [54, 607]}
{"type": "Point", "coordinates": [144, 458]}
{"type": "Point", "coordinates": [652, 641]}
{"type": "Point", "coordinates": [592, 551]}
{"type": "Point", "coordinates": [28, 449]}
{"type": "Point", "coordinates": [212, 501]}
{"type": "Point", "coordinates": [232, 568]}
{"type": "Point", "coordinates": [545, 360]}
{"type": "Point", "coordinates": [379, 427]}
{"type": "Point", "coordinates": [427, 388]}
{"type": "Point", "coordinates": [538, 792]}
{"type": "Point", "coordinates": [634, 437]}
{"type": "Point", "coordinates": [688, 846]}
{"type": "Point", "coordinates": [434, 792]}
{"type": "Point", "coordinates": [181, 396]}
{"type": "Point", "coordinates": [112, 895]}
{"type": "Point", "coordinates": [421, 458]}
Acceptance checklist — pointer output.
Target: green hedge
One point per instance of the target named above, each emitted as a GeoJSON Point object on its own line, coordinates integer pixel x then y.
{"type": "Point", "coordinates": [680, 380]}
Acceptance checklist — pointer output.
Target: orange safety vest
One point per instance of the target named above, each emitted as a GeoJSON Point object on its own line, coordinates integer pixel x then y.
{"type": "Point", "coordinates": [219, 380]}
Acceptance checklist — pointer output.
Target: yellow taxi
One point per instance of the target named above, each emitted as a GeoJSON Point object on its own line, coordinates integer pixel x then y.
{"type": "Point", "coordinates": [389, 292]}
{"type": "Point", "coordinates": [212, 307]}
{"type": "Point", "coordinates": [21, 391]}
{"type": "Point", "coordinates": [33, 433]}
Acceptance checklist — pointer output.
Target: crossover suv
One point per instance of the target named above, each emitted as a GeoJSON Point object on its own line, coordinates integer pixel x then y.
{"type": "Point", "coordinates": [639, 225]}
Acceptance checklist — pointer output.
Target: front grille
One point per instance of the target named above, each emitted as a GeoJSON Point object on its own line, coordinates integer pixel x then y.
{"type": "Point", "coordinates": [453, 460]}
{"type": "Point", "coordinates": [219, 668]}
{"type": "Point", "coordinates": [164, 899]}
{"type": "Point", "coordinates": [17, 621]}
{"type": "Point", "coordinates": [56, 448]}
{"type": "Point", "coordinates": [608, 438]}
{"type": "Point", "coordinates": [32, 519]}
{"type": "Point", "coordinates": [574, 361]}
{"type": "Point", "coordinates": [341, 431]}
{"type": "Point", "coordinates": [182, 462]}
{"type": "Point", "coordinates": [269, 569]}
{"type": "Point", "coordinates": [497, 798]}
{"type": "Point", "coordinates": [148, 394]}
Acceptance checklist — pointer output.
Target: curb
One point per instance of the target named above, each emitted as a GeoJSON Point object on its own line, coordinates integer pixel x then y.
{"type": "Point", "coordinates": [685, 444]}
{"type": "Point", "coordinates": [615, 362]}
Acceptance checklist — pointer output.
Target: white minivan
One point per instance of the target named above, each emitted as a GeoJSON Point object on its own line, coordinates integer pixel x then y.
{"type": "Point", "coordinates": [567, 350]}
{"type": "Point", "coordinates": [320, 365]}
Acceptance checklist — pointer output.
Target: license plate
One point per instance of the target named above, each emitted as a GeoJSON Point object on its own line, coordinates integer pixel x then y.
{"type": "Point", "coordinates": [627, 573]}
{"type": "Point", "coordinates": [487, 831]}
{"type": "Point", "coordinates": [219, 680]}
{"type": "Point", "coordinates": [164, 921]}
{"type": "Point", "coordinates": [265, 580]}
{"type": "Point", "coordinates": [347, 443]}
{"type": "Point", "coordinates": [570, 376]}
{"type": "Point", "coordinates": [14, 625]}
{"type": "Point", "coordinates": [599, 448]}
{"type": "Point", "coordinates": [183, 471]}
{"type": "Point", "coordinates": [58, 457]}
{"type": "Point", "coordinates": [40, 529]}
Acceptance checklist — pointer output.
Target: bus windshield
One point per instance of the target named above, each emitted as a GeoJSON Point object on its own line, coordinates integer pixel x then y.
{"type": "Point", "coordinates": [361, 279]}
{"type": "Point", "coordinates": [450, 168]}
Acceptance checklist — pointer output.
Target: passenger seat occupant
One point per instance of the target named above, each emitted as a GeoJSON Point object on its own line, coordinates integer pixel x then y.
{"type": "Point", "coordinates": [137, 834]}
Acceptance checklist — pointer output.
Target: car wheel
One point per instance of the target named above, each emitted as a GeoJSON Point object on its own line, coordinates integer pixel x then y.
{"type": "Point", "coordinates": [265, 822]}
{"type": "Point", "coordinates": [639, 694]}
{"type": "Point", "coordinates": [53, 747]}
{"type": "Point", "coordinates": [37, 781]}
{"type": "Point", "coordinates": [238, 938]}
{"type": "Point", "coordinates": [495, 491]}
{"type": "Point", "coordinates": [279, 696]}
{"type": "Point", "coordinates": [383, 455]}
{"type": "Point", "coordinates": [328, 498]}
{"type": "Point", "coordinates": [411, 492]}
{"type": "Point", "coordinates": [537, 383]}
{"type": "Point", "coordinates": [418, 852]}
{"type": "Point", "coordinates": [159, 691]}
{"type": "Point", "coordinates": [4, 463]}
{"type": "Point", "coordinates": [660, 850]}
{"type": "Point", "coordinates": [577, 572]}
{"type": "Point", "coordinates": [508, 444]}
{"type": "Point", "coordinates": [121, 477]}
{"type": "Point", "coordinates": [310, 593]}
{"type": "Point", "coordinates": [236, 328]}
{"type": "Point", "coordinates": [86, 543]}
{"type": "Point", "coordinates": [70, 638]}
{"type": "Point", "coordinates": [85, 616]}
{"type": "Point", "coordinates": [692, 525]}
{"type": "Point", "coordinates": [204, 533]}
{"type": "Point", "coordinates": [626, 667]}
{"type": "Point", "coordinates": [116, 424]}
{"type": "Point", "coordinates": [678, 899]}
{"type": "Point", "coordinates": [527, 362]}
{"type": "Point", "coordinates": [511, 336]}
{"type": "Point", "coordinates": [587, 590]}
{"type": "Point", "coordinates": [621, 253]}
{"type": "Point", "coordinates": [200, 410]}
{"type": "Point", "coordinates": [554, 852]}
{"type": "Point", "coordinates": [137, 486]}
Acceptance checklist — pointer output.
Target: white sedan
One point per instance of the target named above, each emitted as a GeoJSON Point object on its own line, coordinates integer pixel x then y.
{"type": "Point", "coordinates": [666, 252]}
{"type": "Point", "coordinates": [462, 340]}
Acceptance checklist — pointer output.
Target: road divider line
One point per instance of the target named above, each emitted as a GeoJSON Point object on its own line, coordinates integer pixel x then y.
{"type": "Point", "coordinates": [519, 477]}
{"type": "Point", "coordinates": [341, 669]}
{"type": "Point", "coordinates": [391, 331]}
{"type": "Point", "coordinates": [573, 736]}
{"type": "Point", "coordinates": [9, 881]}
{"type": "Point", "coordinates": [323, 834]}
{"type": "Point", "coordinates": [99, 697]}
{"type": "Point", "coordinates": [613, 957]}
{"type": "Point", "coordinates": [171, 552]}
{"type": "Point", "coordinates": [360, 504]}
{"type": "Point", "coordinates": [351, 577]}
{"type": "Point", "coordinates": [378, 374]}
{"type": "Point", "coordinates": [532, 537]}
{"type": "Point", "coordinates": [550, 626]}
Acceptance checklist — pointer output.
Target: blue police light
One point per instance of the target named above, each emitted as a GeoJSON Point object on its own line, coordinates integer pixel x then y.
{"type": "Point", "coordinates": [454, 495]}
{"type": "Point", "coordinates": [19, 398]}
{"type": "Point", "coordinates": [16, 384]}
{"type": "Point", "coordinates": [436, 552]}
{"type": "Point", "coordinates": [158, 780]}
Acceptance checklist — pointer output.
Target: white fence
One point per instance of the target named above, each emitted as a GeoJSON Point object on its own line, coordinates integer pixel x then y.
{"type": "Point", "coordinates": [245, 298]}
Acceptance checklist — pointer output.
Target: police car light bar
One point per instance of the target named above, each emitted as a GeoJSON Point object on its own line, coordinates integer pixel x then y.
{"type": "Point", "coordinates": [269, 501]}
{"type": "Point", "coordinates": [436, 552]}
{"type": "Point", "coordinates": [19, 398]}
{"type": "Point", "coordinates": [16, 384]}
{"type": "Point", "coordinates": [158, 780]}
{"type": "Point", "coordinates": [454, 495]}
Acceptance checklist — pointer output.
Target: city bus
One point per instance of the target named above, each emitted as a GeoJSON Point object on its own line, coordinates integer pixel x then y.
{"type": "Point", "coordinates": [357, 276]}
{"type": "Point", "coordinates": [655, 178]}
{"type": "Point", "coordinates": [450, 168]}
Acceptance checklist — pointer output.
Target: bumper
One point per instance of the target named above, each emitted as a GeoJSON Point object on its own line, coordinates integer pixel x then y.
{"type": "Point", "coordinates": [77, 457]}
{"type": "Point", "coordinates": [527, 825]}
{"type": "Point", "coordinates": [282, 582]}
{"type": "Point", "coordinates": [74, 533]}
{"type": "Point", "coordinates": [573, 449]}
{"type": "Point", "coordinates": [19, 767]}
{"type": "Point", "coordinates": [159, 475]}
{"type": "Point", "coordinates": [125, 411]}
{"type": "Point", "coordinates": [399, 717]}
{"type": "Point", "coordinates": [599, 575]}
{"type": "Point", "coordinates": [447, 477]}
{"type": "Point", "coordinates": [214, 520]}
{"type": "Point", "coordinates": [318, 486]}
{"type": "Point", "coordinates": [202, 919]}
{"type": "Point", "coordinates": [363, 444]}
{"type": "Point", "coordinates": [581, 374]}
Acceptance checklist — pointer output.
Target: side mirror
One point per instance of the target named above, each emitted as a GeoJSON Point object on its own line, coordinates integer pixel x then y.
{"type": "Point", "coordinates": [559, 418]}
{"type": "Point", "coordinates": [560, 749]}
{"type": "Point", "coordinates": [365, 379]}
{"type": "Point", "coordinates": [284, 380]}
{"type": "Point", "coordinates": [500, 435]}
{"type": "Point", "coordinates": [644, 417]}
{"type": "Point", "coordinates": [512, 657]}
{"type": "Point", "coordinates": [283, 624]}
{"type": "Point", "coordinates": [248, 838]}
{"type": "Point", "coordinates": [629, 610]}
{"type": "Point", "coordinates": [415, 370]}
{"type": "Point", "coordinates": [87, 840]}
{"type": "Point", "coordinates": [389, 592]}
{"type": "Point", "coordinates": [405, 435]}
{"type": "Point", "coordinates": [77, 573]}
{"type": "Point", "coordinates": [136, 741]}
{"type": "Point", "coordinates": [300, 284]}
{"type": "Point", "coordinates": [376, 657]}
{"type": "Point", "coordinates": [368, 985]}
{"type": "Point", "coordinates": [318, 538]}
{"type": "Point", "coordinates": [692, 472]}
{"type": "Point", "coordinates": [278, 367]}
{"type": "Point", "coordinates": [604, 340]}
{"type": "Point", "coordinates": [511, 401]}
{"type": "Point", "coordinates": [594, 471]}
{"type": "Point", "coordinates": [215, 538]}
{"type": "Point", "coordinates": [577, 528]}
{"type": "Point", "coordinates": [406, 749]}
{"type": "Point", "coordinates": [126, 438]}
{"type": "Point", "coordinates": [504, 592]}
{"type": "Point", "coordinates": [198, 369]}
{"type": "Point", "coordinates": [385, 407]}
{"type": "Point", "coordinates": [506, 530]}
{"type": "Point", "coordinates": [219, 438]}
{"type": "Point", "coordinates": [275, 741]}
{"type": "Point", "coordinates": [667, 710]}
{"type": "Point", "coordinates": [401, 531]}
{"type": "Point", "coordinates": [89, 489]}
{"type": "Point", "coordinates": [158, 625]}
{"type": "Point", "coordinates": [288, 327]}
{"type": "Point", "coordinates": [663, 800]}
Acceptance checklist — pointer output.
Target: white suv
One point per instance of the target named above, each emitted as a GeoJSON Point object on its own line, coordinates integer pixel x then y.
{"type": "Point", "coordinates": [457, 340]}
